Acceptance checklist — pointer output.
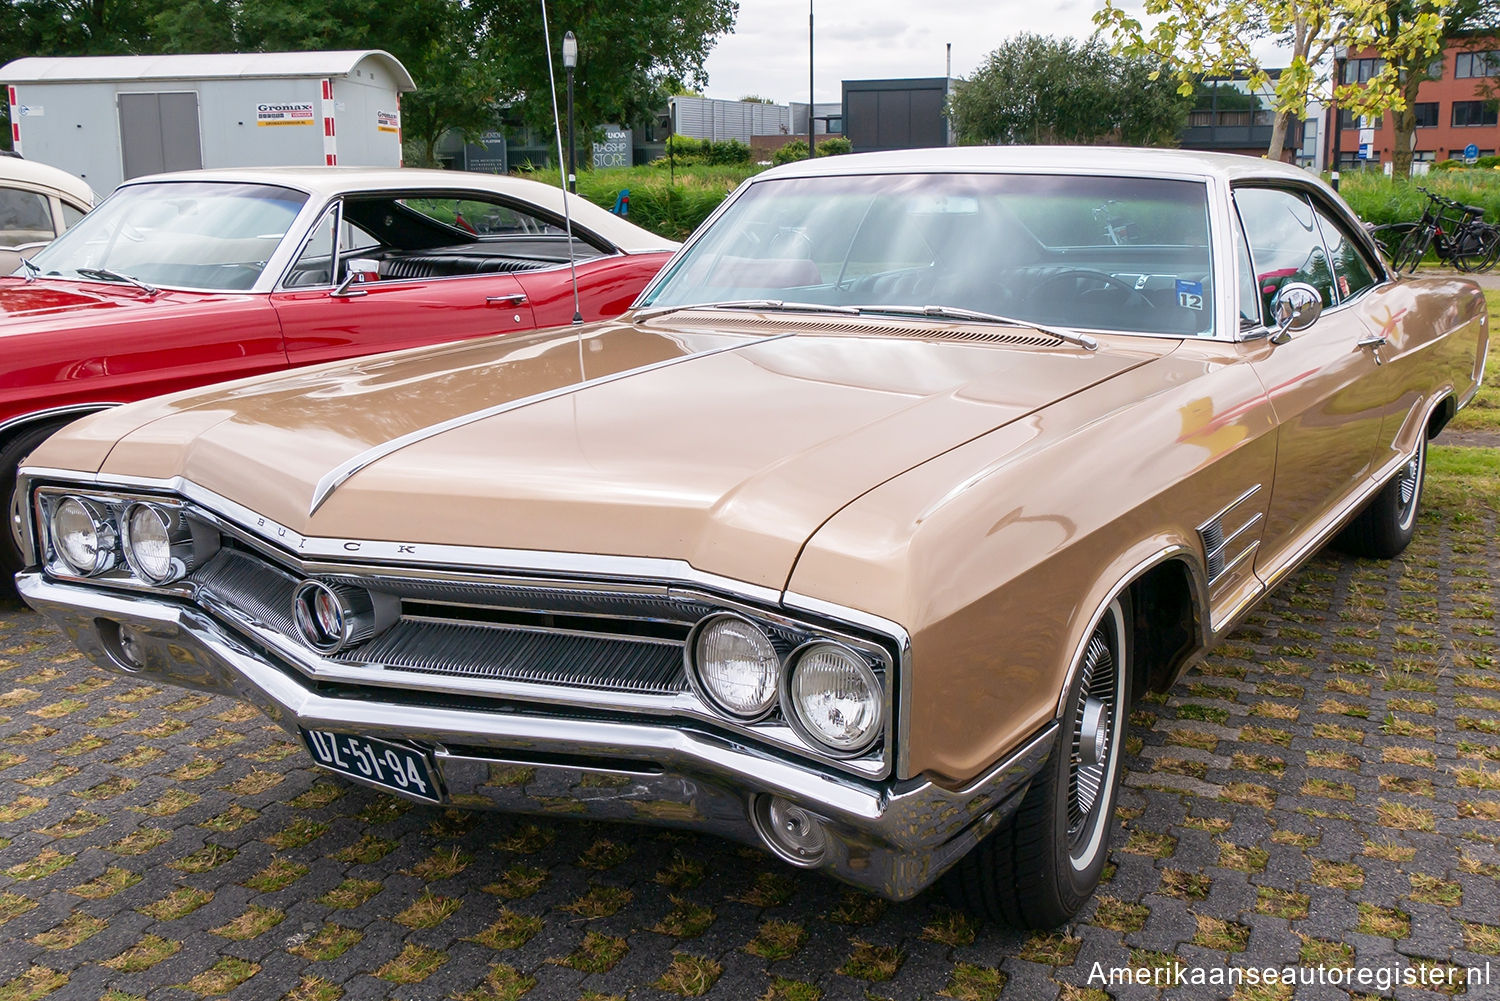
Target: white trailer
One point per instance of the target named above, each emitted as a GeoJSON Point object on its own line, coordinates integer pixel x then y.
{"type": "Point", "coordinates": [109, 118]}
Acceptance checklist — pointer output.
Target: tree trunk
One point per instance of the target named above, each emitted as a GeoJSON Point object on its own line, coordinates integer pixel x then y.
{"type": "Point", "coordinates": [1278, 136]}
{"type": "Point", "coordinates": [1406, 125]}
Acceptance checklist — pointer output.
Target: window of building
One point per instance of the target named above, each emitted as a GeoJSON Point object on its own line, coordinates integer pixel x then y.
{"type": "Point", "coordinates": [1349, 120]}
{"type": "Point", "coordinates": [1474, 113]}
{"type": "Point", "coordinates": [1361, 70]}
{"type": "Point", "coordinates": [1427, 114]}
{"type": "Point", "coordinates": [1423, 156]}
{"type": "Point", "coordinates": [1472, 64]}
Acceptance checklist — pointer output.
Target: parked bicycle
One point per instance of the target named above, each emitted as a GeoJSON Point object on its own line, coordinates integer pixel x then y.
{"type": "Point", "coordinates": [1456, 232]}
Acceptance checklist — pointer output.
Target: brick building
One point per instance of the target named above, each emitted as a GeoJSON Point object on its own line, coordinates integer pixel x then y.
{"type": "Point", "coordinates": [1453, 109]}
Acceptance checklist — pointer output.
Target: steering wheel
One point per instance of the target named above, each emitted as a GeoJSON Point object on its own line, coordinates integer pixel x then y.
{"type": "Point", "coordinates": [1103, 277]}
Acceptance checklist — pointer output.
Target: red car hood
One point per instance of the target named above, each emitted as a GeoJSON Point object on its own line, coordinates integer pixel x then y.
{"type": "Point", "coordinates": [44, 298]}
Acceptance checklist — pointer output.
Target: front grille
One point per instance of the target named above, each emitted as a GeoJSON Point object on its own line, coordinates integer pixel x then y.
{"type": "Point", "coordinates": [520, 654]}
{"type": "Point", "coordinates": [247, 588]}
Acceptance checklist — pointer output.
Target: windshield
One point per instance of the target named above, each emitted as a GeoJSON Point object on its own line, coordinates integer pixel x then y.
{"type": "Point", "coordinates": [198, 234]}
{"type": "Point", "coordinates": [1101, 253]}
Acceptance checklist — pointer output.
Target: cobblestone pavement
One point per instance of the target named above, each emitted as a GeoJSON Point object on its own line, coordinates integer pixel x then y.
{"type": "Point", "coordinates": [1325, 789]}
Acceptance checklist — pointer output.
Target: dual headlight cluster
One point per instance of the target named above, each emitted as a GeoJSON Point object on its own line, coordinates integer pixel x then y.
{"type": "Point", "coordinates": [830, 693]}
{"type": "Point", "coordinates": [152, 541]}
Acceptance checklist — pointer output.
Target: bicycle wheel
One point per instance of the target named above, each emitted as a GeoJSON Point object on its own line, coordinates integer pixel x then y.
{"type": "Point", "coordinates": [1411, 249]}
{"type": "Point", "coordinates": [1389, 236]}
{"type": "Point", "coordinates": [1473, 247]}
{"type": "Point", "coordinates": [1491, 241]}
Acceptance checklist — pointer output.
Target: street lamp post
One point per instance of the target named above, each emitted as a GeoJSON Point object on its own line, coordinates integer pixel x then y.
{"type": "Point", "coordinates": [810, 79]}
{"type": "Point", "coordinates": [570, 62]}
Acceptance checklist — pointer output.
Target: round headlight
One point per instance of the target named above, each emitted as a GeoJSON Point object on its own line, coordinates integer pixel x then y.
{"type": "Point", "coordinates": [148, 544]}
{"type": "Point", "coordinates": [82, 536]}
{"type": "Point", "coordinates": [835, 696]}
{"type": "Point", "coordinates": [736, 665]}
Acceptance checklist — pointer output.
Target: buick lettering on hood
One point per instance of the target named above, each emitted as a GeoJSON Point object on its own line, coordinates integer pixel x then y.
{"type": "Point", "coordinates": [854, 539]}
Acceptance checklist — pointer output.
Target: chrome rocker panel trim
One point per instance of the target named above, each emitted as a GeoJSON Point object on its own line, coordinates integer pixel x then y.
{"type": "Point", "coordinates": [889, 838]}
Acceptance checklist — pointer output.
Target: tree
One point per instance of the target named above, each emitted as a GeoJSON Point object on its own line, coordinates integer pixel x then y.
{"type": "Point", "coordinates": [629, 53]}
{"type": "Point", "coordinates": [1412, 36]}
{"type": "Point", "coordinates": [1199, 38]}
{"type": "Point", "coordinates": [1037, 89]}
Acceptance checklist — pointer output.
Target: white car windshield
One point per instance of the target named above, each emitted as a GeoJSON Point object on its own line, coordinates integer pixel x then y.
{"type": "Point", "coordinates": [176, 234]}
{"type": "Point", "coordinates": [1087, 252]}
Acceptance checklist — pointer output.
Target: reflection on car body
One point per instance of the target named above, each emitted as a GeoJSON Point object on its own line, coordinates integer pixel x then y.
{"type": "Point", "coordinates": [855, 539]}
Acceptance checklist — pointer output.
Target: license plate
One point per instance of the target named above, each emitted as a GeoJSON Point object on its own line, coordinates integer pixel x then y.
{"type": "Point", "coordinates": [390, 766]}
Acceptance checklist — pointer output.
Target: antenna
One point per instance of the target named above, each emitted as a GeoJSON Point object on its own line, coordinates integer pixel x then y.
{"type": "Point", "coordinates": [561, 174]}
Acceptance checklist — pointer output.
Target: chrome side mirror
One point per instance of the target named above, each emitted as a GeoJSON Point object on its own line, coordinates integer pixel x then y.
{"type": "Point", "coordinates": [1296, 307]}
{"type": "Point", "coordinates": [358, 269]}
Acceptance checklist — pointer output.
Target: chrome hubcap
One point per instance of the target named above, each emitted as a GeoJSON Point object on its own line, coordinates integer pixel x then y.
{"type": "Point", "coordinates": [1407, 483]}
{"type": "Point", "coordinates": [1093, 728]}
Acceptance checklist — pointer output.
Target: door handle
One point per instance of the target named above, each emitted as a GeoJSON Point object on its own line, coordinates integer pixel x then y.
{"type": "Point", "coordinates": [514, 299]}
{"type": "Point", "coordinates": [1376, 341]}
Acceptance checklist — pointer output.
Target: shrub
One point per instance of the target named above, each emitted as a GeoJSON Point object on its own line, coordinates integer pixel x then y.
{"type": "Point", "coordinates": [727, 152]}
{"type": "Point", "coordinates": [1483, 163]}
{"type": "Point", "coordinates": [790, 153]}
{"type": "Point", "coordinates": [834, 146]}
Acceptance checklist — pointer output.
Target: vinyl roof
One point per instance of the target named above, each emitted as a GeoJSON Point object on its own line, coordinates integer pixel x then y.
{"type": "Point", "coordinates": [224, 66]}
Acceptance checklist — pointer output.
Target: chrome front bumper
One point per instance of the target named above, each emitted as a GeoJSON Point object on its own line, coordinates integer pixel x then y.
{"type": "Point", "coordinates": [890, 838]}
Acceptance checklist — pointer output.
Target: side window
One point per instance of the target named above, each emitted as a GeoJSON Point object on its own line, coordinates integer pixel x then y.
{"type": "Point", "coordinates": [480, 218]}
{"type": "Point", "coordinates": [314, 266]}
{"type": "Point", "coordinates": [1351, 271]}
{"type": "Point", "coordinates": [1249, 291]}
{"type": "Point", "coordinates": [25, 217]}
{"type": "Point", "coordinates": [71, 214]}
{"type": "Point", "coordinates": [1285, 243]}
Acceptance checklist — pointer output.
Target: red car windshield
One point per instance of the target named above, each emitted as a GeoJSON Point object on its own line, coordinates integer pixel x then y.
{"type": "Point", "coordinates": [195, 234]}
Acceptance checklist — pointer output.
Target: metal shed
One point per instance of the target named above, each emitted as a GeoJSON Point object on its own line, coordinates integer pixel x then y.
{"type": "Point", "coordinates": [109, 118]}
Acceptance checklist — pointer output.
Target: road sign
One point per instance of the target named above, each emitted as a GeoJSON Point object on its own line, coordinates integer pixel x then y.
{"type": "Point", "coordinates": [1471, 154]}
{"type": "Point", "coordinates": [1364, 151]}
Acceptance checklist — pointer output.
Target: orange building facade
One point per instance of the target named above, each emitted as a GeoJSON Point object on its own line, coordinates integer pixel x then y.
{"type": "Point", "coordinates": [1453, 109]}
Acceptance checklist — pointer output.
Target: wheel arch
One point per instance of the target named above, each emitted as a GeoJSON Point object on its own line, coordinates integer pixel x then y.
{"type": "Point", "coordinates": [1167, 588]}
{"type": "Point", "coordinates": [22, 423]}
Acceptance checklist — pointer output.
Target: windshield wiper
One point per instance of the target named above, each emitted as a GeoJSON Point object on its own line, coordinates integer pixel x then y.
{"type": "Point", "coordinates": [115, 276]}
{"type": "Point", "coordinates": [776, 304]}
{"type": "Point", "coordinates": [32, 270]}
{"type": "Point", "coordinates": [959, 313]}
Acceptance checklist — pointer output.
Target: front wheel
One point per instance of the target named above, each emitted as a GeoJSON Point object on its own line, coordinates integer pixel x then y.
{"type": "Point", "coordinates": [1386, 525]}
{"type": "Point", "coordinates": [11, 454]}
{"type": "Point", "coordinates": [1412, 248]}
{"type": "Point", "coordinates": [1040, 868]}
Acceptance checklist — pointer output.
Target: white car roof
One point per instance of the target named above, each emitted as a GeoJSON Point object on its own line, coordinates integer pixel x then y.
{"type": "Point", "coordinates": [39, 175]}
{"type": "Point", "coordinates": [326, 182]}
{"type": "Point", "coordinates": [1064, 159]}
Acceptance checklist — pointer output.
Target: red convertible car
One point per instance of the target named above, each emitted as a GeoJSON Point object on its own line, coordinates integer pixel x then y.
{"type": "Point", "coordinates": [183, 279]}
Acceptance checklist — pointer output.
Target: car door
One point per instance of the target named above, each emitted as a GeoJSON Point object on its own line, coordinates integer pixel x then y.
{"type": "Point", "coordinates": [1325, 388]}
{"type": "Point", "coordinates": [322, 321]}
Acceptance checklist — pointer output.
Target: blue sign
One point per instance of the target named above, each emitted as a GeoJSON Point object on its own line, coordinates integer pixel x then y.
{"type": "Point", "coordinates": [1471, 153]}
{"type": "Point", "coordinates": [1364, 150]}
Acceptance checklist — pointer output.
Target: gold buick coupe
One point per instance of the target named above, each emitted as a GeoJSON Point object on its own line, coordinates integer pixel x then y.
{"type": "Point", "coordinates": [855, 539]}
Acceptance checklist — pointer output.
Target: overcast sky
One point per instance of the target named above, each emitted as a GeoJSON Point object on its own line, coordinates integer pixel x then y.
{"type": "Point", "coordinates": [870, 39]}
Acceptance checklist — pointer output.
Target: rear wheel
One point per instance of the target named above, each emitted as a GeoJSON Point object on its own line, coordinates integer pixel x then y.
{"type": "Point", "coordinates": [1475, 248]}
{"type": "Point", "coordinates": [1039, 869]}
{"type": "Point", "coordinates": [11, 454]}
{"type": "Point", "coordinates": [1386, 525]}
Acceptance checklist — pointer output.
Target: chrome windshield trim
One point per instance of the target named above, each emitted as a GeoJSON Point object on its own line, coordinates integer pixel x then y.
{"type": "Point", "coordinates": [337, 476]}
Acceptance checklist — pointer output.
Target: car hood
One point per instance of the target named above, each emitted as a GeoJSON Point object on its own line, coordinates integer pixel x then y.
{"type": "Point", "coordinates": [723, 441]}
{"type": "Point", "coordinates": [78, 302]}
